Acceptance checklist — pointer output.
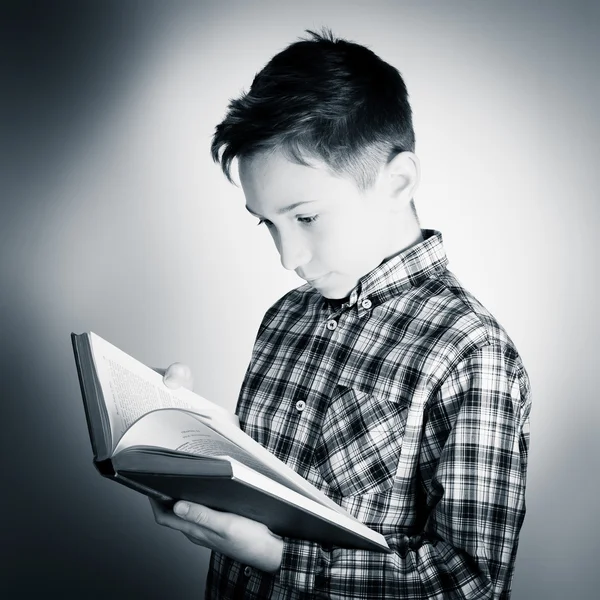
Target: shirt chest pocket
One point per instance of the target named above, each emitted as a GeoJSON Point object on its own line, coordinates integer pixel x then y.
{"type": "Point", "coordinates": [359, 445]}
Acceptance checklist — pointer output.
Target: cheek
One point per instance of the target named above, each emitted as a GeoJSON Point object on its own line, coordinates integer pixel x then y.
{"type": "Point", "coordinates": [342, 252]}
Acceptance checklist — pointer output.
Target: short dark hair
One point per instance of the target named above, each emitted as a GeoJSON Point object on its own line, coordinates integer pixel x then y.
{"type": "Point", "coordinates": [325, 98]}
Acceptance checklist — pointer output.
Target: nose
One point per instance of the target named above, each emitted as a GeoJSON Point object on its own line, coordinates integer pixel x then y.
{"type": "Point", "coordinates": [293, 251]}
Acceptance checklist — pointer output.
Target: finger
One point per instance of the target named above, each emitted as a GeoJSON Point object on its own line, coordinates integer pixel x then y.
{"type": "Point", "coordinates": [207, 518]}
{"type": "Point", "coordinates": [239, 538]}
{"type": "Point", "coordinates": [178, 375]}
{"type": "Point", "coordinates": [196, 533]}
{"type": "Point", "coordinates": [165, 517]}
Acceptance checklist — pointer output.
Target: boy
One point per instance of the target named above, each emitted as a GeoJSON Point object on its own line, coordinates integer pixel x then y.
{"type": "Point", "coordinates": [381, 380]}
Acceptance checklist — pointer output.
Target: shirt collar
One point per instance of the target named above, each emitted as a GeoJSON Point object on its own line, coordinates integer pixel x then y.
{"type": "Point", "coordinates": [400, 272]}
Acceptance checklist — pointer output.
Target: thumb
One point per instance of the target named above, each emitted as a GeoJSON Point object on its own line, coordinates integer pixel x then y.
{"type": "Point", "coordinates": [201, 515]}
{"type": "Point", "coordinates": [178, 375]}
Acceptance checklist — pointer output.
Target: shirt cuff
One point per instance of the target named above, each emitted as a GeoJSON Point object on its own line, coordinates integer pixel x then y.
{"type": "Point", "coordinates": [303, 565]}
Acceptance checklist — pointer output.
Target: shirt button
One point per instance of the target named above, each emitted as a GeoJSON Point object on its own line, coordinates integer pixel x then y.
{"type": "Point", "coordinates": [366, 304]}
{"type": "Point", "coordinates": [300, 405]}
{"type": "Point", "coordinates": [331, 324]}
{"type": "Point", "coordinates": [403, 546]}
{"type": "Point", "coordinates": [247, 571]}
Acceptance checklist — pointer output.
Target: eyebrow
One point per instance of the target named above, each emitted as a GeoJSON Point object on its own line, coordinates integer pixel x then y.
{"type": "Point", "coordinates": [285, 209]}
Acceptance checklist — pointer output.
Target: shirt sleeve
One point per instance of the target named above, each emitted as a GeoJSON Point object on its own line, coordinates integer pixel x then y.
{"type": "Point", "coordinates": [472, 472]}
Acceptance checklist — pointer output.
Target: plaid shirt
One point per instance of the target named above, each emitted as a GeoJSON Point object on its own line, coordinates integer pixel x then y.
{"type": "Point", "coordinates": [409, 406]}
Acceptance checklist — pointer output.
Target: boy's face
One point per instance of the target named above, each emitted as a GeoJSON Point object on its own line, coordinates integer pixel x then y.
{"type": "Point", "coordinates": [325, 228]}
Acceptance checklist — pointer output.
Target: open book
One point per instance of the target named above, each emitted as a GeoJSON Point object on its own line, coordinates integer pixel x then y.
{"type": "Point", "coordinates": [175, 445]}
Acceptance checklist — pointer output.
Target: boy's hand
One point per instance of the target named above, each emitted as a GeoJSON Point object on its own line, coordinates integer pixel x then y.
{"type": "Point", "coordinates": [177, 375]}
{"type": "Point", "coordinates": [242, 539]}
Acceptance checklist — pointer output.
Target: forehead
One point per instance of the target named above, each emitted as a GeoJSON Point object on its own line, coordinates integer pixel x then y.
{"type": "Point", "coordinates": [272, 179]}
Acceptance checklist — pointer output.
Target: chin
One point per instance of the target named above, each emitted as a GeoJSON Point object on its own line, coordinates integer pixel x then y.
{"type": "Point", "coordinates": [332, 288]}
{"type": "Point", "coordinates": [333, 294]}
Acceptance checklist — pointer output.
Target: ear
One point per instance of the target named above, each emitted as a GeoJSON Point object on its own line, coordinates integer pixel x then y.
{"type": "Point", "coordinates": [402, 175]}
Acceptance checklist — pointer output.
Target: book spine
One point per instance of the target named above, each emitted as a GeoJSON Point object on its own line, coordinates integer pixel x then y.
{"type": "Point", "coordinates": [75, 342]}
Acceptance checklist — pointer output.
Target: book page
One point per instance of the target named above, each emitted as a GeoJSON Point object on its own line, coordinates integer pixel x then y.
{"type": "Point", "coordinates": [131, 389]}
{"type": "Point", "coordinates": [182, 431]}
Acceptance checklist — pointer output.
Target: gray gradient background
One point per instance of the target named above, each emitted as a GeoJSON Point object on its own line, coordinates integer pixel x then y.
{"type": "Point", "coordinates": [114, 219]}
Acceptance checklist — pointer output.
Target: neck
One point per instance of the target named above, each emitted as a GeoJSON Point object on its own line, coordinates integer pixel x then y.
{"type": "Point", "coordinates": [404, 232]}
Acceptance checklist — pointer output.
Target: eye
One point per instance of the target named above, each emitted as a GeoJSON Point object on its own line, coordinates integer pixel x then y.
{"type": "Point", "coordinates": [264, 222]}
{"type": "Point", "coordinates": [308, 220]}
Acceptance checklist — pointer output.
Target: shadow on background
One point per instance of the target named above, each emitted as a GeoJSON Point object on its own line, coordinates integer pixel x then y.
{"type": "Point", "coordinates": [66, 532]}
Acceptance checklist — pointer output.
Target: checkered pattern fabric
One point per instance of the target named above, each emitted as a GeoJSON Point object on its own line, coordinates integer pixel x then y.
{"type": "Point", "coordinates": [409, 406]}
